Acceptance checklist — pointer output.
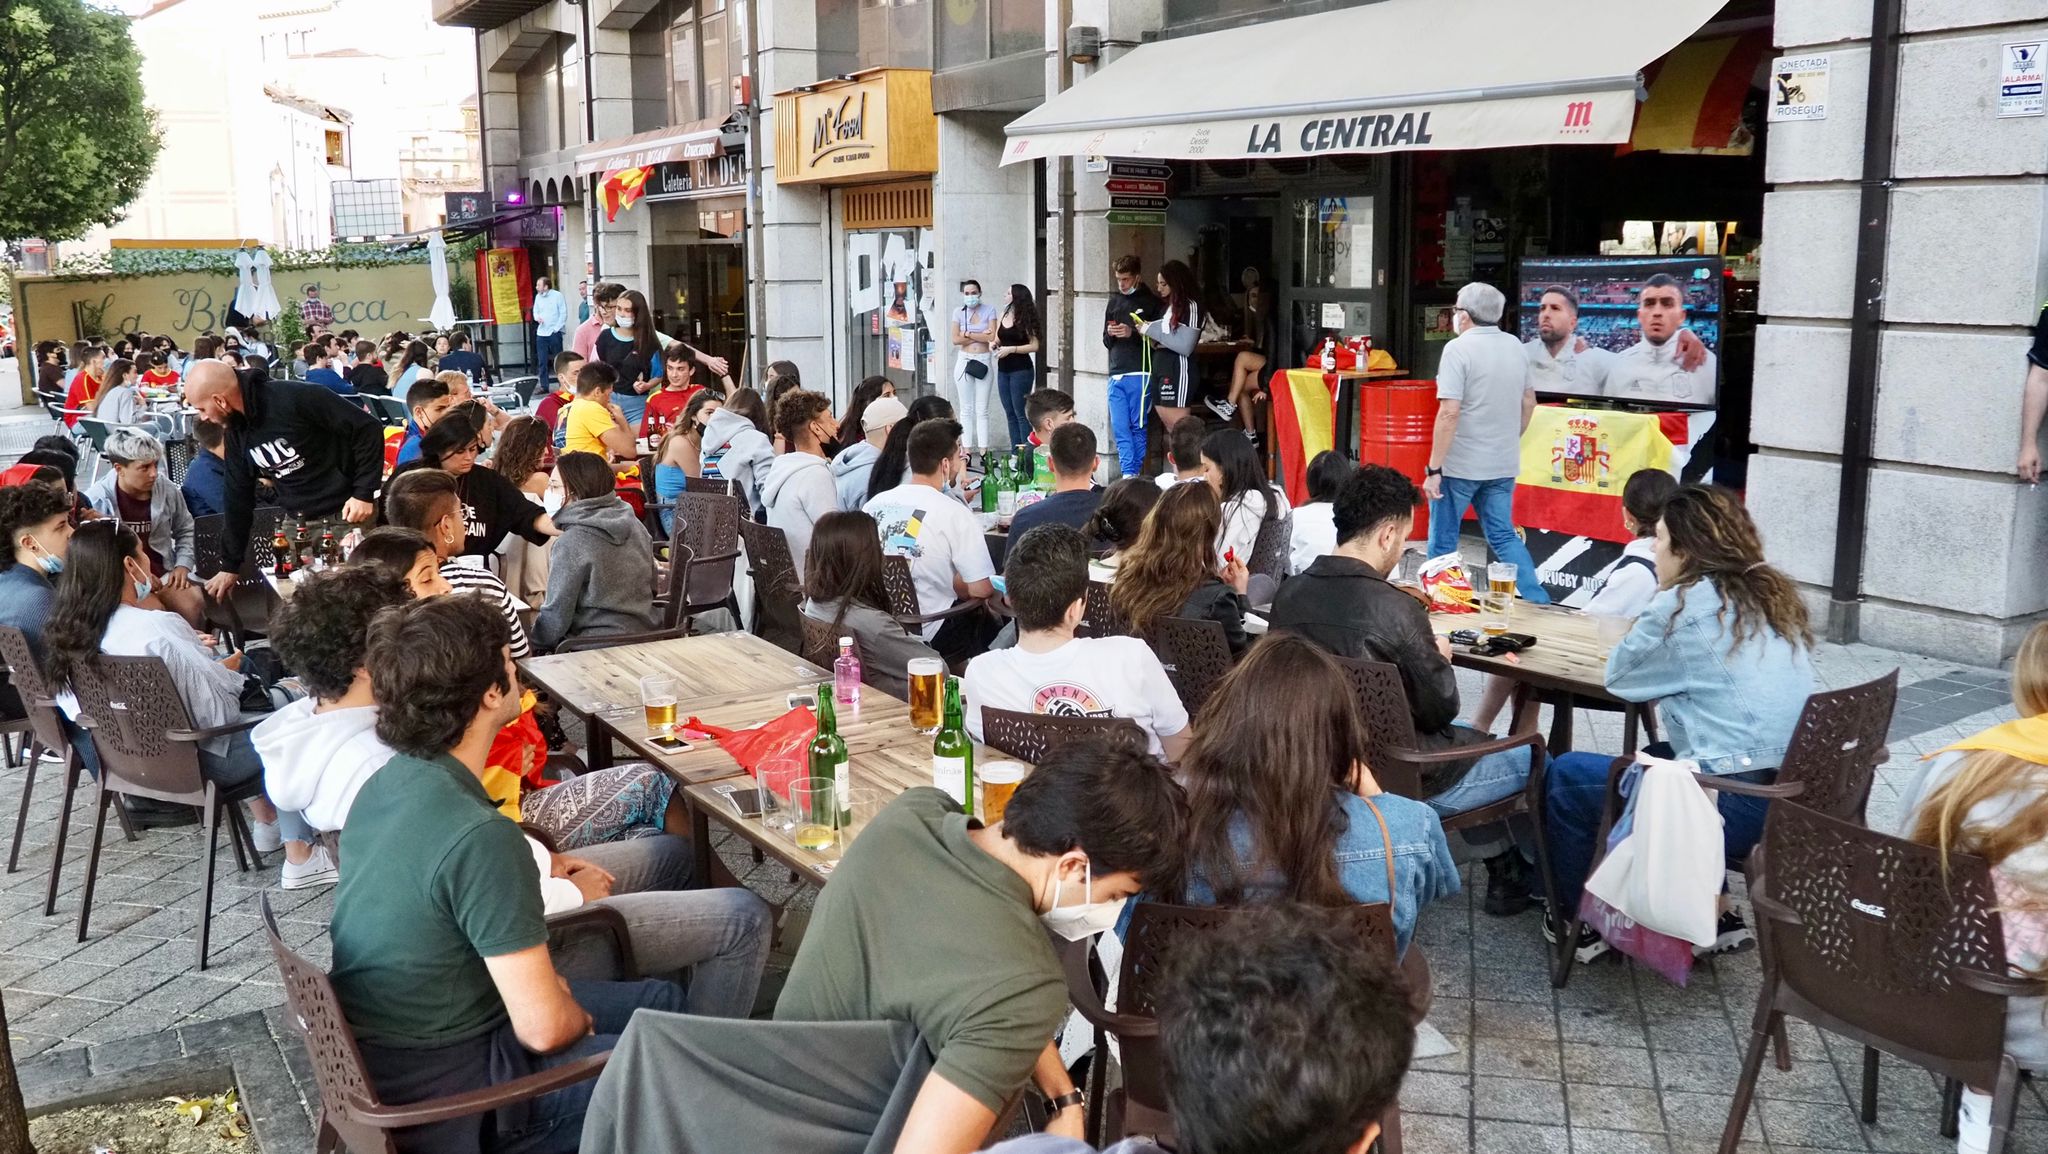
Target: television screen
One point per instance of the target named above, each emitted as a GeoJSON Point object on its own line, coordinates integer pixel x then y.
{"type": "Point", "coordinates": [1656, 345]}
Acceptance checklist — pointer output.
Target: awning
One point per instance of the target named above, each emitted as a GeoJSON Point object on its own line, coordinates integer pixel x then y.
{"type": "Point", "coordinates": [1393, 76]}
{"type": "Point", "coordinates": [1697, 94]}
{"type": "Point", "coordinates": [699, 138]}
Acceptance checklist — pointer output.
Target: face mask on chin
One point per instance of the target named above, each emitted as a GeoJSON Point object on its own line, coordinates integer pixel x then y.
{"type": "Point", "coordinates": [1085, 920]}
{"type": "Point", "coordinates": [1128, 291]}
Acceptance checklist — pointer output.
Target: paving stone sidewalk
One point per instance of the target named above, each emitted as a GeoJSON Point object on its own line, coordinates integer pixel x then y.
{"type": "Point", "coordinates": [1619, 1061]}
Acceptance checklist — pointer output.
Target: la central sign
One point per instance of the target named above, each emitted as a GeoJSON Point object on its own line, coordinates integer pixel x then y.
{"type": "Point", "coordinates": [874, 125]}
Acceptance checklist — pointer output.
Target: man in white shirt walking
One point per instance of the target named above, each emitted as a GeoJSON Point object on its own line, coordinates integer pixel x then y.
{"type": "Point", "coordinates": [550, 317]}
{"type": "Point", "coordinates": [1560, 360]}
{"type": "Point", "coordinates": [1483, 404]}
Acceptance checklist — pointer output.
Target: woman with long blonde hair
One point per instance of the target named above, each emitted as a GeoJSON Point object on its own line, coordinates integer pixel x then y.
{"type": "Point", "coordinates": [1171, 571]}
{"type": "Point", "coordinates": [1988, 795]}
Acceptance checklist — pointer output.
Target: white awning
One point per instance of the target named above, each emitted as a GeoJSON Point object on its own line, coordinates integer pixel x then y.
{"type": "Point", "coordinates": [698, 139]}
{"type": "Point", "coordinates": [1393, 76]}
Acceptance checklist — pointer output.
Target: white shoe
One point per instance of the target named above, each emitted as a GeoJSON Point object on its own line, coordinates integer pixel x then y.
{"type": "Point", "coordinates": [1973, 1123]}
{"type": "Point", "coordinates": [265, 835]}
{"type": "Point", "coordinates": [319, 869]}
{"type": "Point", "coordinates": [1222, 408]}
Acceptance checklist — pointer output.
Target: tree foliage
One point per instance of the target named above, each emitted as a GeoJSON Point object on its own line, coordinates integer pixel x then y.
{"type": "Point", "coordinates": [76, 141]}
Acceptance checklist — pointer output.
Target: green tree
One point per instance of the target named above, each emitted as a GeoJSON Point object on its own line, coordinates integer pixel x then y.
{"type": "Point", "coordinates": [76, 142]}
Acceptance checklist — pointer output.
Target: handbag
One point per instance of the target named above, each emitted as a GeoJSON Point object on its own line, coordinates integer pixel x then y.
{"type": "Point", "coordinates": [1655, 894]}
{"type": "Point", "coordinates": [975, 368]}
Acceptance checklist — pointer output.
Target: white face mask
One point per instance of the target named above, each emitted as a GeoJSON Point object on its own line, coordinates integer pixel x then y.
{"type": "Point", "coordinates": [1085, 920]}
{"type": "Point", "coordinates": [551, 501]}
{"type": "Point", "coordinates": [622, 321]}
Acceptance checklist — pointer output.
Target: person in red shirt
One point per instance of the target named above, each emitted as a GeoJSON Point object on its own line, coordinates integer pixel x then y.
{"type": "Point", "coordinates": [155, 373]}
{"type": "Point", "coordinates": [679, 384]}
{"type": "Point", "coordinates": [86, 386]}
{"type": "Point", "coordinates": [549, 411]}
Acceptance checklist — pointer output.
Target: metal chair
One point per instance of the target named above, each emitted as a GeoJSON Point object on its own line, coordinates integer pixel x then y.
{"type": "Point", "coordinates": [352, 1116]}
{"type": "Point", "coordinates": [1139, 1106]}
{"type": "Point", "coordinates": [390, 410]}
{"type": "Point", "coordinates": [47, 732]}
{"type": "Point", "coordinates": [1099, 616]}
{"type": "Point", "coordinates": [1030, 736]}
{"type": "Point", "coordinates": [901, 589]}
{"type": "Point", "coordinates": [1196, 655]}
{"type": "Point", "coordinates": [778, 587]}
{"type": "Point", "coordinates": [148, 747]}
{"type": "Point", "coordinates": [1889, 943]}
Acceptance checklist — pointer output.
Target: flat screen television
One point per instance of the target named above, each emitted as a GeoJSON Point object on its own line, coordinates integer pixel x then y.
{"type": "Point", "coordinates": [1620, 363]}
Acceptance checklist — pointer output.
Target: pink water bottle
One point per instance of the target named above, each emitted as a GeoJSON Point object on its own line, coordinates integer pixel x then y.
{"type": "Point", "coordinates": [846, 675]}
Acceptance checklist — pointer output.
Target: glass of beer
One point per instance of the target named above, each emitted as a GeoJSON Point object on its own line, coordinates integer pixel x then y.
{"type": "Point", "coordinates": [658, 697]}
{"type": "Point", "coordinates": [1500, 598]}
{"type": "Point", "coordinates": [927, 681]}
{"type": "Point", "coordinates": [998, 781]}
{"type": "Point", "coordinates": [814, 806]}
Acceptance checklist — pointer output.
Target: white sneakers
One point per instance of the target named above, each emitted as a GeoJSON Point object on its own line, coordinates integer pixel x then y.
{"type": "Point", "coordinates": [319, 869]}
{"type": "Point", "coordinates": [265, 835]}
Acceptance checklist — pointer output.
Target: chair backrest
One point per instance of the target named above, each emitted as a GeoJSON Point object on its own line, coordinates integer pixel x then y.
{"type": "Point", "coordinates": [44, 718]}
{"type": "Point", "coordinates": [1196, 655]}
{"type": "Point", "coordinates": [1837, 745]}
{"type": "Point", "coordinates": [206, 538]}
{"type": "Point", "coordinates": [675, 606]}
{"type": "Point", "coordinates": [778, 587]}
{"type": "Point", "coordinates": [711, 485]}
{"type": "Point", "coordinates": [1030, 736]}
{"type": "Point", "coordinates": [131, 705]}
{"type": "Point", "coordinates": [390, 410]}
{"type": "Point", "coordinates": [821, 642]}
{"type": "Point", "coordinates": [709, 524]}
{"type": "Point", "coordinates": [1269, 548]}
{"type": "Point", "coordinates": [526, 387]}
{"type": "Point", "coordinates": [1883, 936]}
{"type": "Point", "coordinates": [338, 1068]}
{"type": "Point", "coordinates": [1100, 618]}
{"type": "Point", "coordinates": [96, 431]}
{"type": "Point", "coordinates": [899, 586]}
{"type": "Point", "coordinates": [616, 640]}
{"type": "Point", "coordinates": [1383, 707]}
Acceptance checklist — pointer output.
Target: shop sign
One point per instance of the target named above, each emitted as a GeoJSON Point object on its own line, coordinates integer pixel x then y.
{"type": "Point", "coordinates": [1139, 170]}
{"type": "Point", "coordinates": [1799, 88]}
{"type": "Point", "coordinates": [1138, 187]}
{"type": "Point", "coordinates": [1158, 203]}
{"type": "Point", "coordinates": [689, 179]}
{"type": "Point", "coordinates": [877, 125]}
{"type": "Point", "coordinates": [461, 206]}
{"type": "Point", "coordinates": [2019, 83]}
{"type": "Point", "coordinates": [1138, 219]}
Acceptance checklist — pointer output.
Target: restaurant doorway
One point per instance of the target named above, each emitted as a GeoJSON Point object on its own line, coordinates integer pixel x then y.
{"type": "Point", "coordinates": [697, 282]}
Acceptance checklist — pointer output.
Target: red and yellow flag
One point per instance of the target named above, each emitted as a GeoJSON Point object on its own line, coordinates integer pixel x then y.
{"type": "Point", "coordinates": [1575, 461]}
{"type": "Point", "coordinates": [622, 188]}
{"type": "Point", "coordinates": [1304, 424]}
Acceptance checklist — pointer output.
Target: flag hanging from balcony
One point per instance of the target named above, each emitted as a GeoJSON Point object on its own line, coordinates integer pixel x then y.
{"type": "Point", "coordinates": [622, 188]}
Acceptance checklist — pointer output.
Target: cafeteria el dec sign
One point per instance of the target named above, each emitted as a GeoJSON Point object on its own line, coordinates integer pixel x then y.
{"type": "Point", "coordinates": [1585, 118]}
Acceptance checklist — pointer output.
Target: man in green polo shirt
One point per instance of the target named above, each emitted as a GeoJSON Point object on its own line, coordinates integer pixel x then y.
{"type": "Point", "coordinates": [440, 945]}
{"type": "Point", "coordinates": [939, 921]}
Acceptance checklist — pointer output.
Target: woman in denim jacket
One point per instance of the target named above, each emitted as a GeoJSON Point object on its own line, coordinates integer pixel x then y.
{"type": "Point", "coordinates": [1725, 650]}
{"type": "Point", "coordinates": [1282, 806]}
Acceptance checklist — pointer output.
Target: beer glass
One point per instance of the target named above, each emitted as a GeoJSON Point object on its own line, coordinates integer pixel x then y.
{"type": "Point", "coordinates": [658, 698]}
{"type": "Point", "coordinates": [998, 781]}
{"type": "Point", "coordinates": [814, 806]}
{"type": "Point", "coordinates": [1499, 605]}
{"type": "Point", "coordinates": [927, 683]}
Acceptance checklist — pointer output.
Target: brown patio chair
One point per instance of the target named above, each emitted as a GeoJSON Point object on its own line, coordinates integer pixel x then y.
{"type": "Point", "coordinates": [1030, 736]}
{"type": "Point", "coordinates": [709, 523]}
{"type": "Point", "coordinates": [1884, 942]}
{"type": "Point", "coordinates": [148, 747]}
{"type": "Point", "coordinates": [352, 1117]}
{"type": "Point", "coordinates": [821, 642]}
{"type": "Point", "coordinates": [1269, 548]}
{"type": "Point", "coordinates": [1099, 618]}
{"type": "Point", "coordinates": [248, 606]}
{"type": "Point", "coordinates": [901, 589]}
{"type": "Point", "coordinates": [673, 598]}
{"type": "Point", "coordinates": [1139, 1106]}
{"type": "Point", "coordinates": [778, 587]}
{"type": "Point", "coordinates": [1196, 655]}
{"type": "Point", "coordinates": [1837, 745]}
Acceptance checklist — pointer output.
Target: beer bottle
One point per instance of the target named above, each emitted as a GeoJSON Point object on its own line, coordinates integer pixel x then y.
{"type": "Point", "coordinates": [953, 753]}
{"type": "Point", "coordinates": [329, 555]}
{"type": "Point", "coordinates": [829, 758]}
{"type": "Point", "coordinates": [280, 555]}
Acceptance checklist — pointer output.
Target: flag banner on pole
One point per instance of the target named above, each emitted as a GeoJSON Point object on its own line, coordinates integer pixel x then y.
{"type": "Point", "coordinates": [1575, 462]}
{"type": "Point", "coordinates": [503, 273]}
{"type": "Point", "coordinates": [622, 188]}
{"type": "Point", "coordinates": [1304, 423]}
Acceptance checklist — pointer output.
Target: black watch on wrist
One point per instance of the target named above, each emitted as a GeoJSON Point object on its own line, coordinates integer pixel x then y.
{"type": "Point", "coordinates": [1057, 1106]}
{"type": "Point", "coordinates": [1429, 472]}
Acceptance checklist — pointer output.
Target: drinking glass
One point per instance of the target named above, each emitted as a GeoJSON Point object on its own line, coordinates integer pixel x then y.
{"type": "Point", "coordinates": [1499, 602]}
{"type": "Point", "coordinates": [814, 807]}
{"type": "Point", "coordinates": [927, 681]}
{"type": "Point", "coordinates": [658, 698]}
{"type": "Point", "coordinates": [1409, 570]}
{"type": "Point", "coordinates": [779, 775]}
{"type": "Point", "coordinates": [863, 804]}
{"type": "Point", "coordinates": [998, 781]}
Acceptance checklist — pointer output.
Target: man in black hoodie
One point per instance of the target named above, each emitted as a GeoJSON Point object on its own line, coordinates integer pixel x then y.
{"type": "Point", "coordinates": [324, 455]}
{"type": "Point", "coordinates": [1129, 380]}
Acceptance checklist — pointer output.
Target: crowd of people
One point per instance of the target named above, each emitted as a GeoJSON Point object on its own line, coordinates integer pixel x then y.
{"type": "Point", "coordinates": [488, 536]}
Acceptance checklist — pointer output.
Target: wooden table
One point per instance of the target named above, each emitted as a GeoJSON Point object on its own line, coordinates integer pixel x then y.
{"type": "Point", "coordinates": [603, 683]}
{"type": "Point", "coordinates": [1568, 662]}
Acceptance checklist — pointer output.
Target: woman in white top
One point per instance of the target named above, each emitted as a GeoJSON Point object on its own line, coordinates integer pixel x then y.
{"type": "Point", "coordinates": [1313, 533]}
{"type": "Point", "coordinates": [104, 606]}
{"type": "Point", "coordinates": [1231, 466]}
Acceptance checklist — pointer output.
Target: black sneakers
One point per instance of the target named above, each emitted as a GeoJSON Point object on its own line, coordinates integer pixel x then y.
{"type": "Point", "coordinates": [1507, 884]}
{"type": "Point", "coordinates": [1731, 936]}
{"type": "Point", "coordinates": [1590, 944]}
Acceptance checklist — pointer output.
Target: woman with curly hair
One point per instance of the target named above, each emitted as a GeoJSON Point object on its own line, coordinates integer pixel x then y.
{"type": "Point", "coordinates": [1725, 651]}
{"type": "Point", "coordinates": [1171, 571]}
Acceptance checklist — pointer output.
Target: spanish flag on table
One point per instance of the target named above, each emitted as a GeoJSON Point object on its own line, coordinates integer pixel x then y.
{"type": "Point", "coordinates": [1575, 462]}
{"type": "Point", "coordinates": [1304, 424]}
{"type": "Point", "coordinates": [622, 188]}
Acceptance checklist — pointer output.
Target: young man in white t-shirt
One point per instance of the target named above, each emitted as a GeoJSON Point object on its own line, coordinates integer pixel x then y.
{"type": "Point", "coordinates": [948, 555]}
{"type": "Point", "coordinates": [1052, 671]}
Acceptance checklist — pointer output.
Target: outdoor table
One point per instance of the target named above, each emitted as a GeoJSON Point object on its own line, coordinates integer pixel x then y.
{"type": "Point", "coordinates": [1568, 659]}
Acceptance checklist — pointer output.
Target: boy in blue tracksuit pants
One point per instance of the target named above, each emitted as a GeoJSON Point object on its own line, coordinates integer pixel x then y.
{"type": "Point", "coordinates": [1129, 356]}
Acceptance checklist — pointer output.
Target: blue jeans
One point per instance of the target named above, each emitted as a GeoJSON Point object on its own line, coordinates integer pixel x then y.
{"type": "Point", "coordinates": [545, 349]}
{"type": "Point", "coordinates": [1127, 413]}
{"type": "Point", "coordinates": [1495, 501]}
{"type": "Point", "coordinates": [1576, 792]}
{"type": "Point", "coordinates": [240, 765]}
{"type": "Point", "coordinates": [1493, 778]}
{"type": "Point", "coordinates": [1013, 385]}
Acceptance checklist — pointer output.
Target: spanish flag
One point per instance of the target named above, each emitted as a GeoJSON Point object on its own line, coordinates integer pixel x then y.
{"type": "Point", "coordinates": [1575, 462]}
{"type": "Point", "coordinates": [1304, 424]}
{"type": "Point", "coordinates": [622, 188]}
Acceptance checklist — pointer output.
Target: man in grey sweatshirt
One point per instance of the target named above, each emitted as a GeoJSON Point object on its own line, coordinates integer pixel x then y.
{"type": "Point", "coordinates": [601, 574]}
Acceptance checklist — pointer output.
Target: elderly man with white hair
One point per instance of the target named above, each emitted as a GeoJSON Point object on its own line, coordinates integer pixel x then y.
{"type": "Point", "coordinates": [140, 494]}
{"type": "Point", "coordinates": [1483, 403]}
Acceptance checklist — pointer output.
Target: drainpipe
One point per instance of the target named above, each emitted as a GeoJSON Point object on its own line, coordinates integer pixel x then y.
{"type": "Point", "coordinates": [483, 130]}
{"type": "Point", "coordinates": [757, 240]}
{"type": "Point", "coordinates": [1859, 422]}
{"type": "Point", "coordinates": [1064, 79]}
{"type": "Point", "coordinates": [596, 197]}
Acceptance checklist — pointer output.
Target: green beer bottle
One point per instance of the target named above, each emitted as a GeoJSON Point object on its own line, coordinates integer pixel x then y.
{"type": "Point", "coordinates": [829, 758]}
{"type": "Point", "coordinates": [953, 752]}
{"type": "Point", "coordinates": [989, 475]}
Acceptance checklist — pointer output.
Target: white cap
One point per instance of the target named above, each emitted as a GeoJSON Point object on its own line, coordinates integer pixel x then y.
{"type": "Point", "coordinates": [881, 413]}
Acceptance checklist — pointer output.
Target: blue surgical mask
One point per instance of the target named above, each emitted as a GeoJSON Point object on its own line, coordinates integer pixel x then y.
{"type": "Point", "coordinates": [51, 565]}
{"type": "Point", "coordinates": [1130, 290]}
{"type": "Point", "coordinates": [971, 299]}
{"type": "Point", "coordinates": [142, 589]}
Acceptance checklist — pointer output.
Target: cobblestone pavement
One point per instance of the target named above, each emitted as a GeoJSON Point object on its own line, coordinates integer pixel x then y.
{"type": "Point", "coordinates": [1618, 1061]}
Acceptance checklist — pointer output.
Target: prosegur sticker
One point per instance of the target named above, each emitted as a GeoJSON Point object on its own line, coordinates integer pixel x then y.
{"type": "Point", "coordinates": [2019, 80]}
{"type": "Point", "coordinates": [1799, 88]}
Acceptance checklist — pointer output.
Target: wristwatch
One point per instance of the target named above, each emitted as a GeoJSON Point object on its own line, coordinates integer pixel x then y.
{"type": "Point", "coordinates": [1429, 472]}
{"type": "Point", "coordinates": [1057, 1106]}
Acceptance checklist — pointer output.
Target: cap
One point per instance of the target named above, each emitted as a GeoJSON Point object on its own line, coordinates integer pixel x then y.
{"type": "Point", "coordinates": [881, 413]}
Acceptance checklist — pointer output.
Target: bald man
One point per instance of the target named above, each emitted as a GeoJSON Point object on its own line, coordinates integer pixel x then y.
{"type": "Point", "coordinates": [324, 455]}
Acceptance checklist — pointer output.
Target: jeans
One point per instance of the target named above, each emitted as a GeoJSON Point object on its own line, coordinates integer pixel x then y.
{"type": "Point", "coordinates": [1013, 385]}
{"type": "Point", "coordinates": [975, 394]}
{"type": "Point", "coordinates": [1127, 413]}
{"type": "Point", "coordinates": [1495, 501]}
{"type": "Point", "coordinates": [544, 350]}
{"type": "Point", "coordinates": [1576, 792]}
{"type": "Point", "coordinates": [1492, 778]}
{"type": "Point", "coordinates": [239, 765]}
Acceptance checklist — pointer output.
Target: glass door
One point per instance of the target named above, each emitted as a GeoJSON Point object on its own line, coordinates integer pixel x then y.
{"type": "Point", "coordinates": [1337, 283]}
{"type": "Point", "coordinates": [889, 337]}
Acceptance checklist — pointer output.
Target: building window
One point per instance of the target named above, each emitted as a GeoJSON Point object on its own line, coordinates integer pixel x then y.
{"type": "Point", "coordinates": [858, 34]}
{"type": "Point", "coordinates": [971, 31]}
{"type": "Point", "coordinates": [540, 102]}
{"type": "Point", "coordinates": [695, 43]}
{"type": "Point", "coordinates": [337, 148]}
